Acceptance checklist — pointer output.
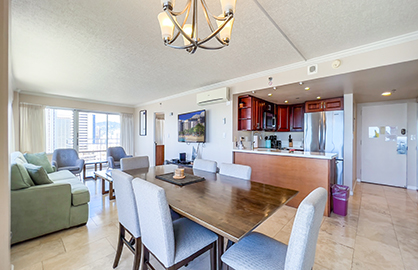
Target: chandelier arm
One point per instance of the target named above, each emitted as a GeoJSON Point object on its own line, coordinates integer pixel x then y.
{"type": "Point", "coordinates": [215, 33]}
{"type": "Point", "coordinates": [205, 11]}
{"type": "Point", "coordinates": [194, 21]}
{"type": "Point", "coordinates": [181, 12]}
{"type": "Point", "coordinates": [179, 28]}
{"type": "Point", "coordinates": [213, 48]}
{"type": "Point", "coordinates": [180, 47]}
{"type": "Point", "coordinates": [205, 6]}
{"type": "Point", "coordinates": [184, 22]}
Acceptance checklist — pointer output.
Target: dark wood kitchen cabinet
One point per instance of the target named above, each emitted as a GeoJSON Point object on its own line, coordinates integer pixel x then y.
{"type": "Point", "coordinates": [331, 104]}
{"type": "Point", "coordinates": [250, 111]}
{"type": "Point", "coordinates": [297, 117]}
{"type": "Point", "coordinates": [283, 118]}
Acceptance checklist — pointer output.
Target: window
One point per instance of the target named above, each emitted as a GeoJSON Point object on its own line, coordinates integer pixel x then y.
{"type": "Point", "coordinates": [95, 132]}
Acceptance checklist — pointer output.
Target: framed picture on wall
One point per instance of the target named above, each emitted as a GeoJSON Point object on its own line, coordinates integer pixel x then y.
{"type": "Point", "coordinates": [143, 123]}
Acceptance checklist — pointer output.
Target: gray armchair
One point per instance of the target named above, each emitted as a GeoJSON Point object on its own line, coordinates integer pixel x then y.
{"type": "Point", "coordinates": [67, 159]}
{"type": "Point", "coordinates": [114, 155]}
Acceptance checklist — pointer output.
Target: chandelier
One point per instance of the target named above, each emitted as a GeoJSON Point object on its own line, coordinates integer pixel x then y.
{"type": "Point", "coordinates": [169, 20]}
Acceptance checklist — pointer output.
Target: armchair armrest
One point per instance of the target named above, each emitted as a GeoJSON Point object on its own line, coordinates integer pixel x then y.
{"type": "Point", "coordinates": [39, 210]}
{"type": "Point", "coordinates": [111, 162]}
{"type": "Point", "coordinates": [54, 164]}
{"type": "Point", "coordinates": [79, 163]}
{"type": "Point", "coordinates": [129, 156]}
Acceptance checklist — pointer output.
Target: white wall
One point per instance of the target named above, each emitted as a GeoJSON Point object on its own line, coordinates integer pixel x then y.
{"type": "Point", "coordinates": [411, 132]}
{"type": "Point", "coordinates": [5, 108]}
{"type": "Point", "coordinates": [218, 144]}
{"type": "Point", "coordinates": [348, 140]}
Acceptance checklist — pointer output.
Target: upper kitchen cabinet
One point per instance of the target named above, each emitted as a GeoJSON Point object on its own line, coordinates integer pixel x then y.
{"type": "Point", "coordinates": [297, 117]}
{"type": "Point", "coordinates": [332, 104]}
{"type": "Point", "coordinates": [250, 110]}
{"type": "Point", "coordinates": [283, 118]}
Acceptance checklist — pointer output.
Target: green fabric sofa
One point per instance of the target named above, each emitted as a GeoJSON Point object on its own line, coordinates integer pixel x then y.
{"type": "Point", "coordinates": [41, 209]}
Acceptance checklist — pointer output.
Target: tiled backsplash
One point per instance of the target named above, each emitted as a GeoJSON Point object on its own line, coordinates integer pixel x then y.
{"type": "Point", "coordinates": [283, 136]}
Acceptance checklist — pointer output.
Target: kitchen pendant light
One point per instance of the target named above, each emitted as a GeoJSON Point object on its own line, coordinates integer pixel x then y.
{"type": "Point", "coordinates": [168, 20]}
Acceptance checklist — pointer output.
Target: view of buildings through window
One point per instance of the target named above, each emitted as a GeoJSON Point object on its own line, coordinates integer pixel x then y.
{"type": "Point", "coordinates": [96, 132]}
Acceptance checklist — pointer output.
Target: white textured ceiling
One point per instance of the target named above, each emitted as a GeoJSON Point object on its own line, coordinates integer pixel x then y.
{"type": "Point", "coordinates": [111, 51]}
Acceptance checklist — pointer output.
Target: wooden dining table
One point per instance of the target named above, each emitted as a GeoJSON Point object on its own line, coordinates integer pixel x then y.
{"type": "Point", "coordinates": [228, 206]}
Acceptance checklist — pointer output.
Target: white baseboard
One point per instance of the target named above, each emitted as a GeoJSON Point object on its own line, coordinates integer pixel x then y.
{"type": "Point", "coordinates": [358, 180]}
{"type": "Point", "coordinates": [412, 187]}
{"type": "Point", "coordinates": [12, 267]}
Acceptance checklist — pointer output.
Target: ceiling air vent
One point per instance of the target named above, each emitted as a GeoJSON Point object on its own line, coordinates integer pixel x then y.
{"type": "Point", "coordinates": [313, 69]}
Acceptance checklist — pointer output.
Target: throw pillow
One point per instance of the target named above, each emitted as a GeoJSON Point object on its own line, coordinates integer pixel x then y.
{"type": "Point", "coordinates": [19, 177]}
{"type": "Point", "coordinates": [40, 159]}
{"type": "Point", "coordinates": [38, 174]}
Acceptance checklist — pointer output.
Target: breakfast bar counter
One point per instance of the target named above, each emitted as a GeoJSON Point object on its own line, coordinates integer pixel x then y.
{"type": "Point", "coordinates": [301, 171]}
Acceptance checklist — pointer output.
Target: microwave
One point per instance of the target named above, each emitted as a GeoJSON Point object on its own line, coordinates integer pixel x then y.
{"type": "Point", "coordinates": [269, 121]}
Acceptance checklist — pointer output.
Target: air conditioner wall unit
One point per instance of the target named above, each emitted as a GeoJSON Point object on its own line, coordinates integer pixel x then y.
{"type": "Point", "coordinates": [213, 96]}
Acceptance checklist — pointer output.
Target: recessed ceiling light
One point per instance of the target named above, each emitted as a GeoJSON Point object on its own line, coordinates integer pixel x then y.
{"type": "Point", "coordinates": [286, 101]}
{"type": "Point", "coordinates": [307, 88]}
{"type": "Point", "coordinates": [318, 97]}
{"type": "Point", "coordinates": [386, 94]}
{"type": "Point", "coordinates": [300, 83]}
{"type": "Point", "coordinates": [270, 94]}
{"type": "Point", "coordinates": [253, 92]}
{"type": "Point", "coordinates": [274, 88]}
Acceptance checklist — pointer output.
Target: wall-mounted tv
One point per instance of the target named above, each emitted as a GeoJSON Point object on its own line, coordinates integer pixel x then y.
{"type": "Point", "coordinates": [192, 127]}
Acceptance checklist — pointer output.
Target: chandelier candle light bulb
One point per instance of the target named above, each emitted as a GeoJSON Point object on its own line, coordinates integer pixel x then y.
{"type": "Point", "coordinates": [186, 21]}
{"type": "Point", "coordinates": [166, 25]}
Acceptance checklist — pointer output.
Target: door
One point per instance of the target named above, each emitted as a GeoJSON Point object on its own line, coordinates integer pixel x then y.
{"type": "Point", "coordinates": [159, 139]}
{"type": "Point", "coordinates": [381, 162]}
{"type": "Point", "coordinates": [297, 115]}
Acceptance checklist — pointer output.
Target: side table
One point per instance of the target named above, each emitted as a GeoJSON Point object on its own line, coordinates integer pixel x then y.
{"type": "Point", "coordinates": [95, 163]}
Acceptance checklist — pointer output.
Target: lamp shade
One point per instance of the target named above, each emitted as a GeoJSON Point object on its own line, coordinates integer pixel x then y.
{"type": "Point", "coordinates": [166, 25]}
{"type": "Point", "coordinates": [188, 30]}
{"type": "Point", "coordinates": [225, 33]}
{"type": "Point", "coordinates": [228, 5]}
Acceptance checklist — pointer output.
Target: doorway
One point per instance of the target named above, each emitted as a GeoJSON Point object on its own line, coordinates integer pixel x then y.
{"type": "Point", "coordinates": [159, 138]}
{"type": "Point", "coordinates": [383, 144]}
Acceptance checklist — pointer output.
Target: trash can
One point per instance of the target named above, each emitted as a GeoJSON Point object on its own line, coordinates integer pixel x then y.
{"type": "Point", "coordinates": [340, 195]}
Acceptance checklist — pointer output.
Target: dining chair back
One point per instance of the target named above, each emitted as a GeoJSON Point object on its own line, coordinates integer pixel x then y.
{"type": "Point", "coordinates": [205, 165]}
{"type": "Point", "coordinates": [127, 215]}
{"type": "Point", "coordinates": [304, 236]}
{"type": "Point", "coordinates": [173, 243]}
{"type": "Point", "coordinates": [258, 251]}
{"type": "Point", "coordinates": [156, 223]}
{"type": "Point", "coordinates": [235, 170]}
{"type": "Point", "coordinates": [134, 163]}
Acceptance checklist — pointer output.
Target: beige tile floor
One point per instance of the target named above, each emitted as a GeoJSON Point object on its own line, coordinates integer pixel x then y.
{"type": "Point", "coordinates": [380, 232]}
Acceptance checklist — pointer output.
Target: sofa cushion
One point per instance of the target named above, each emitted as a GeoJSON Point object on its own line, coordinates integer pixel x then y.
{"type": "Point", "coordinates": [79, 192]}
{"type": "Point", "coordinates": [60, 175]}
{"type": "Point", "coordinates": [38, 174]}
{"type": "Point", "coordinates": [17, 156]}
{"type": "Point", "coordinates": [19, 177]}
{"type": "Point", "coordinates": [40, 159]}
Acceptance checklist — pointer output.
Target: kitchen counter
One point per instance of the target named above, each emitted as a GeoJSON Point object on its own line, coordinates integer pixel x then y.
{"type": "Point", "coordinates": [299, 154]}
{"type": "Point", "coordinates": [301, 171]}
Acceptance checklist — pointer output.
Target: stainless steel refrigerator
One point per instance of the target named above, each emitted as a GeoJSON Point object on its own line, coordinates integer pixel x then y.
{"type": "Point", "coordinates": [324, 132]}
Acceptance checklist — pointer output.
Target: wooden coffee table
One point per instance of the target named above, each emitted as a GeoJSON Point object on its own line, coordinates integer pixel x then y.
{"type": "Point", "coordinates": [106, 176]}
{"type": "Point", "coordinates": [95, 163]}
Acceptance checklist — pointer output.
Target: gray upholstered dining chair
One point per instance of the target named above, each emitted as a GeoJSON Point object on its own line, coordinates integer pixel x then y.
{"type": "Point", "coordinates": [235, 170]}
{"type": "Point", "coordinates": [131, 163]}
{"type": "Point", "coordinates": [67, 159]}
{"type": "Point", "coordinates": [128, 217]}
{"type": "Point", "coordinates": [114, 155]}
{"type": "Point", "coordinates": [205, 165]}
{"type": "Point", "coordinates": [172, 243]}
{"type": "Point", "coordinates": [257, 251]}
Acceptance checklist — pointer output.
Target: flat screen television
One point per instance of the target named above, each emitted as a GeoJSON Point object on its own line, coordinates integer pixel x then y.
{"type": "Point", "coordinates": [192, 127]}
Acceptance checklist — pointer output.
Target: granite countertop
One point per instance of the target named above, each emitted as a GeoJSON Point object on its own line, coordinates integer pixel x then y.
{"type": "Point", "coordinates": [301, 154]}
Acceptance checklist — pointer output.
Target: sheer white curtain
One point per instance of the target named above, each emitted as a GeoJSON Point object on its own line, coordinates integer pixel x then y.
{"type": "Point", "coordinates": [127, 132]}
{"type": "Point", "coordinates": [32, 128]}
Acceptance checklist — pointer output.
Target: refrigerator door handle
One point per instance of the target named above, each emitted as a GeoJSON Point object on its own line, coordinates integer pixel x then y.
{"type": "Point", "coordinates": [324, 130]}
